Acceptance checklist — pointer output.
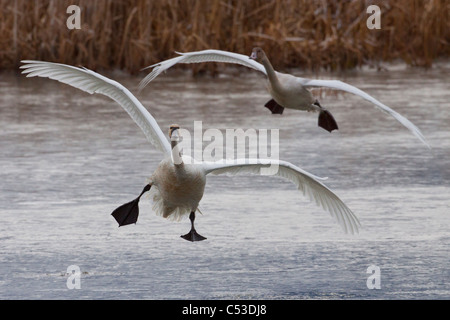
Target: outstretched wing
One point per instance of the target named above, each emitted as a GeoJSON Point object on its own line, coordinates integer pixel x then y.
{"type": "Point", "coordinates": [93, 82]}
{"type": "Point", "coordinates": [198, 57]}
{"type": "Point", "coordinates": [339, 85]}
{"type": "Point", "coordinates": [307, 183]}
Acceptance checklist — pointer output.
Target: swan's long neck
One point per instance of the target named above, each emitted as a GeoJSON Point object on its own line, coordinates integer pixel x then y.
{"type": "Point", "coordinates": [176, 154]}
{"type": "Point", "coordinates": [271, 74]}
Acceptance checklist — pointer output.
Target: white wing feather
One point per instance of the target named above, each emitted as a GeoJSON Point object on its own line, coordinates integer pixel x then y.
{"type": "Point", "coordinates": [92, 82]}
{"type": "Point", "coordinates": [339, 85]}
{"type": "Point", "coordinates": [307, 183]}
{"type": "Point", "coordinates": [198, 57]}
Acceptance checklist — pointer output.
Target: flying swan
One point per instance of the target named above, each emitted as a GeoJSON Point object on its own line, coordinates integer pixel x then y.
{"type": "Point", "coordinates": [178, 182]}
{"type": "Point", "coordinates": [287, 91]}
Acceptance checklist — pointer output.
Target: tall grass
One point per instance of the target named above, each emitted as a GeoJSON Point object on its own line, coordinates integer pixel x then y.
{"type": "Point", "coordinates": [312, 34]}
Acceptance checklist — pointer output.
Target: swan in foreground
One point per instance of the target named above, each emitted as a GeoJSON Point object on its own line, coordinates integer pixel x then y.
{"type": "Point", "coordinates": [178, 182]}
{"type": "Point", "coordinates": [287, 91]}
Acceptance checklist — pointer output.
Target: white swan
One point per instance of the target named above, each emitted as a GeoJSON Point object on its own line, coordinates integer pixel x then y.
{"type": "Point", "coordinates": [179, 181]}
{"type": "Point", "coordinates": [287, 91]}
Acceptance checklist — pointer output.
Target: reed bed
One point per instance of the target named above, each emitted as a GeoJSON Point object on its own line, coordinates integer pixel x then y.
{"type": "Point", "coordinates": [312, 34]}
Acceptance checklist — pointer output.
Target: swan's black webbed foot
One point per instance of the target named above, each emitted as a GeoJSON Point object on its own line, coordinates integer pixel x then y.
{"type": "Point", "coordinates": [128, 213]}
{"type": "Point", "coordinates": [192, 235]}
{"type": "Point", "coordinates": [326, 119]}
{"type": "Point", "coordinates": [274, 107]}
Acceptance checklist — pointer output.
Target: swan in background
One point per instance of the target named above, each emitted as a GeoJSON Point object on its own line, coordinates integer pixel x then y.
{"type": "Point", "coordinates": [287, 91]}
{"type": "Point", "coordinates": [178, 182]}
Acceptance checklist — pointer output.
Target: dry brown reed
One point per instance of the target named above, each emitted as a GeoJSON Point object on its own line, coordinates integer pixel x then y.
{"type": "Point", "coordinates": [312, 34]}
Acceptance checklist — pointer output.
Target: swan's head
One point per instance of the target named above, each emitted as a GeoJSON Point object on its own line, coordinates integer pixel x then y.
{"type": "Point", "coordinates": [257, 54]}
{"type": "Point", "coordinates": [174, 132]}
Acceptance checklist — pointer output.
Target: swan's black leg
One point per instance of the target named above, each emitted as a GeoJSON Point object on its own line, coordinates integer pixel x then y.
{"type": "Point", "coordinates": [193, 235]}
{"type": "Point", "coordinates": [128, 213]}
{"type": "Point", "coordinates": [326, 120]}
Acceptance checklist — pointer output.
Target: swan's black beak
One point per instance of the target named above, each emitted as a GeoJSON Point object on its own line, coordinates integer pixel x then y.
{"type": "Point", "coordinates": [128, 213]}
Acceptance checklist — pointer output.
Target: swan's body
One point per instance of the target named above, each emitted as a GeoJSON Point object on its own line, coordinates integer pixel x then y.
{"type": "Point", "coordinates": [173, 199]}
{"type": "Point", "coordinates": [178, 182]}
{"type": "Point", "coordinates": [286, 90]}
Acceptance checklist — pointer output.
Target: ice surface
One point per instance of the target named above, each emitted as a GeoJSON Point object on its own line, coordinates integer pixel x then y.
{"type": "Point", "coordinates": [69, 159]}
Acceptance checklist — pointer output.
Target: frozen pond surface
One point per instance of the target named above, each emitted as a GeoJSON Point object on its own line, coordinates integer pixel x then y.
{"type": "Point", "coordinates": [68, 159]}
